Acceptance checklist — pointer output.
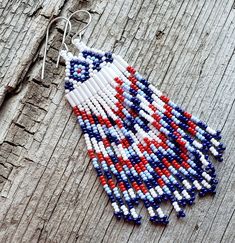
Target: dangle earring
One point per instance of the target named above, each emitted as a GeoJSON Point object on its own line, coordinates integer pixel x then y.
{"type": "Point", "coordinates": [62, 44]}
{"type": "Point", "coordinates": [141, 144]}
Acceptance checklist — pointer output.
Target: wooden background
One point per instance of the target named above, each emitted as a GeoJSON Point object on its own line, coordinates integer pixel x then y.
{"type": "Point", "coordinates": [48, 189]}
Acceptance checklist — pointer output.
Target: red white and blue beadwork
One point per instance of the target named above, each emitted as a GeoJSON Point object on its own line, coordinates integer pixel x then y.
{"type": "Point", "coordinates": [142, 145]}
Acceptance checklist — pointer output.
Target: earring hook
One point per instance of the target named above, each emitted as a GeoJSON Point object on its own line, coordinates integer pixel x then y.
{"type": "Point", "coordinates": [47, 37]}
{"type": "Point", "coordinates": [85, 27]}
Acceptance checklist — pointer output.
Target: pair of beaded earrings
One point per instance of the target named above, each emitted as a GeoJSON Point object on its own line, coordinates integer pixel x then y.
{"type": "Point", "coordinates": [141, 144]}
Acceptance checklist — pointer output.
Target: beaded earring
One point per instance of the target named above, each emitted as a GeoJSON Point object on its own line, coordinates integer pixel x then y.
{"type": "Point", "coordinates": [141, 144]}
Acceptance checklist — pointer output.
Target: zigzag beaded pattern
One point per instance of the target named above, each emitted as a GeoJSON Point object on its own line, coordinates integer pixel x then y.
{"type": "Point", "coordinates": [142, 145]}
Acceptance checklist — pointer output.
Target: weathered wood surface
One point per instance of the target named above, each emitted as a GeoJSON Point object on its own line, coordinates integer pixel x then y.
{"type": "Point", "coordinates": [49, 191]}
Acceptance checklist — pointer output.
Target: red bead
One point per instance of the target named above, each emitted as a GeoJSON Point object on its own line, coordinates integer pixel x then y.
{"type": "Point", "coordinates": [118, 167]}
{"type": "Point", "coordinates": [119, 97]}
{"type": "Point", "coordinates": [157, 125]}
{"type": "Point", "coordinates": [185, 165]}
{"type": "Point", "coordinates": [130, 70]}
{"type": "Point", "coordinates": [179, 141]}
{"type": "Point", "coordinates": [187, 115]}
{"type": "Point", "coordinates": [144, 161]}
{"type": "Point", "coordinates": [109, 161]}
{"type": "Point", "coordinates": [168, 108]}
{"type": "Point", "coordinates": [133, 86]}
{"type": "Point", "coordinates": [100, 156]}
{"type": "Point", "coordinates": [166, 163]}
{"type": "Point", "coordinates": [91, 154]}
{"type": "Point", "coordinates": [151, 106]}
{"type": "Point", "coordinates": [192, 131]}
{"type": "Point", "coordinates": [160, 182]}
{"type": "Point", "coordinates": [156, 117]}
{"type": "Point", "coordinates": [165, 146]}
{"type": "Point", "coordinates": [175, 164]}
{"type": "Point", "coordinates": [135, 185]}
{"type": "Point", "coordinates": [119, 81]}
{"type": "Point", "coordinates": [119, 90]}
{"type": "Point", "coordinates": [143, 188]}
{"type": "Point", "coordinates": [111, 184]}
{"type": "Point", "coordinates": [141, 148]}
{"type": "Point", "coordinates": [129, 165]}
{"type": "Point", "coordinates": [184, 156]}
{"type": "Point", "coordinates": [165, 99]}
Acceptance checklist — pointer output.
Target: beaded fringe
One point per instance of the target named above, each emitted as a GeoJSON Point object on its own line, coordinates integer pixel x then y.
{"type": "Point", "coordinates": [141, 144]}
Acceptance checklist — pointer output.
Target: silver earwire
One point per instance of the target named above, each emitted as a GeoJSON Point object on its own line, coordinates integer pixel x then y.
{"type": "Point", "coordinates": [63, 41]}
{"type": "Point", "coordinates": [85, 27]}
{"type": "Point", "coordinates": [78, 33]}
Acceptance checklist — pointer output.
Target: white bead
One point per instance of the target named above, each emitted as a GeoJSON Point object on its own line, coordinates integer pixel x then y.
{"type": "Point", "coordinates": [213, 151]}
{"type": "Point", "coordinates": [174, 204]}
{"type": "Point", "coordinates": [197, 185]}
{"type": "Point", "coordinates": [204, 183]}
{"type": "Point", "coordinates": [159, 190]}
{"type": "Point", "coordinates": [197, 144]}
{"type": "Point", "coordinates": [215, 142]}
{"type": "Point", "coordinates": [185, 194]}
{"type": "Point", "coordinates": [177, 195]}
{"type": "Point", "coordinates": [210, 130]}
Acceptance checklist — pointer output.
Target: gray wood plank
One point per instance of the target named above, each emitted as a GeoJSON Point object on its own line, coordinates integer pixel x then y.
{"type": "Point", "coordinates": [49, 190]}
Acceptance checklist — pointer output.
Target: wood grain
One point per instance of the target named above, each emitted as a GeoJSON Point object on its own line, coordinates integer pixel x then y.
{"type": "Point", "coordinates": [49, 191]}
